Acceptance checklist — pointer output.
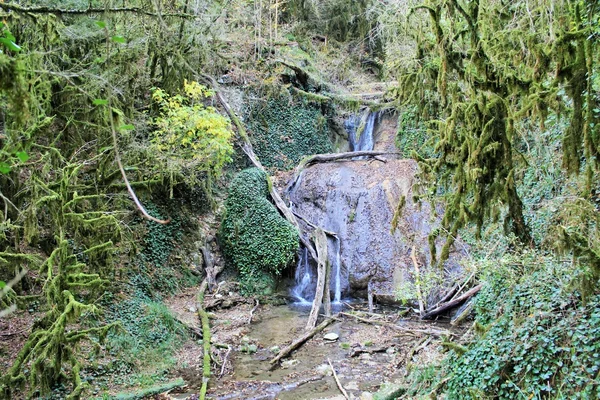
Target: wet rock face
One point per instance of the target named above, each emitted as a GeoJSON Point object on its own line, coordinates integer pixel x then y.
{"type": "Point", "coordinates": [357, 200]}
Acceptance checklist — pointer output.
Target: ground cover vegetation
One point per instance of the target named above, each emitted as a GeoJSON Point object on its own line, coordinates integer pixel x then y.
{"type": "Point", "coordinates": [99, 100]}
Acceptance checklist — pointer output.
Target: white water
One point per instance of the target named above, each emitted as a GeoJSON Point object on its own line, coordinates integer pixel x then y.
{"type": "Point", "coordinates": [337, 283]}
{"type": "Point", "coordinates": [360, 131]}
{"type": "Point", "coordinates": [303, 278]}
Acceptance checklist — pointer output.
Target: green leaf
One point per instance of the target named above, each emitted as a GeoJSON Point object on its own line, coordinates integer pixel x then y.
{"type": "Point", "coordinates": [2, 284]}
{"type": "Point", "coordinates": [101, 24]}
{"type": "Point", "coordinates": [127, 127]}
{"type": "Point", "coordinates": [100, 102]}
{"type": "Point", "coordinates": [119, 39]}
{"type": "Point", "coordinates": [23, 156]}
{"type": "Point", "coordinates": [4, 168]}
{"type": "Point", "coordinates": [10, 44]}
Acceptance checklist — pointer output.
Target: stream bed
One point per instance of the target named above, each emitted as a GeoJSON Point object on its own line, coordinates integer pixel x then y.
{"type": "Point", "coordinates": [364, 355]}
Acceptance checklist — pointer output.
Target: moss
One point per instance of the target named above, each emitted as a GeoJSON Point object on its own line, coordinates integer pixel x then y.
{"type": "Point", "coordinates": [256, 240]}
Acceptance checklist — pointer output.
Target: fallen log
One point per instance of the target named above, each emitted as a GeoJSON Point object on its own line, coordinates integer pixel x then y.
{"type": "Point", "coordinates": [152, 391]}
{"type": "Point", "coordinates": [298, 342]}
{"type": "Point", "coordinates": [427, 331]}
{"type": "Point", "coordinates": [452, 303]}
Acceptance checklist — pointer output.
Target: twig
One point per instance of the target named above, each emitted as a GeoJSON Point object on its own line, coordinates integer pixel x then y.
{"type": "Point", "coordinates": [337, 381]}
{"type": "Point", "coordinates": [252, 312]}
{"type": "Point", "coordinates": [421, 344]}
{"type": "Point", "coordinates": [224, 362]}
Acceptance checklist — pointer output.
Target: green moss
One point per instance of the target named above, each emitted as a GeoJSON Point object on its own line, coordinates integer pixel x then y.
{"type": "Point", "coordinates": [256, 240]}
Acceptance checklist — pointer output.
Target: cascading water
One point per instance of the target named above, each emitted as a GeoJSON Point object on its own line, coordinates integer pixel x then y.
{"type": "Point", "coordinates": [360, 135]}
{"type": "Point", "coordinates": [337, 274]}
{"type": "Point", "coordinates": [360, 131]}
{"type": "Point", "coordinates": [303, 277]}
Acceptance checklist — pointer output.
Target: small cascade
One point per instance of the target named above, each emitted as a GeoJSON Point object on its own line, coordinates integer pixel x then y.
{"type": "Point", "coordinates": [303, 279]}
{"type": "Point", "coordinates": [337, 275]}
{"type": "Point", "coordinates": [360, 131]}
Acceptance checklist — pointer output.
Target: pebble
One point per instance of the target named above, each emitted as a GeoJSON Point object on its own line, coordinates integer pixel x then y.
{"type": "Point", "coordinates": [352, 385]}
{"type": "Point", "coordinates": [324, 369]}
{"type": "Point", "coordinates": [331, 336]}
{"type": "Point", "coordinates": [275, 349]}
{"type": "Point", "coordinates": [366, 396]}
{"type": "Point", "coordinates": [289, 363]}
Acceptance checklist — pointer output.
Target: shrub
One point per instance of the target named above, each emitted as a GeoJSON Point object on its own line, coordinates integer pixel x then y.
{"type": "Point", "coordinates": [256, 240]}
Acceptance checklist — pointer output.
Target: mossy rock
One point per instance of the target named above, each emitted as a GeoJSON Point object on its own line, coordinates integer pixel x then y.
{"type": "Point", "coordinates": [256, 240]}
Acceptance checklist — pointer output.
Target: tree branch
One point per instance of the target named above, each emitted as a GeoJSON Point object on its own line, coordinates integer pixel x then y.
{"type": "Point", "coordinates": [90, 10]}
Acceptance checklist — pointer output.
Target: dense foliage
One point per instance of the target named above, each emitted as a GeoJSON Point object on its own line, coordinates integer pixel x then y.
{"type": "Point", "coordinates": [537, 339]}
{"type": "Point", "coordinates": [258, 242]}
{"type": "Point", "coordinates": [284, 130]}
{"type": "Point", "coordinates": [479, 70]}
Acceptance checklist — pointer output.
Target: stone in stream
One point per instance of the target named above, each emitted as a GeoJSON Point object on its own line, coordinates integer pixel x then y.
{"type": "Point", "coordinates": [275, 349]}
{"type": "Point", "coordinates": [331, 337]}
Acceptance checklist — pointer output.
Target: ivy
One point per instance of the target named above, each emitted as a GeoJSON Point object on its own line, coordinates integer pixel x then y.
{"type": "Point", "coordinates": [537, 339]}
{"type": "Point", "coordinates": [285, 130]}
{"type": "Point", "coordinates": [255, 239]}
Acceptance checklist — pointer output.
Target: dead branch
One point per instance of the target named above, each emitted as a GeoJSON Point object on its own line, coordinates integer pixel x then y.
{"type": "Point", "coordinates": [427, 331]}
{"type": "Point", "coordinates": [413, 257]}
{"type": "Point", "coordinates": [90, 10]}
{"type": "Point", "coordinates": [452, 303]}
{"type": "Point", "coordinates": [298, 342]}
{"type": "Point", "coordinates": [463, 314]}
{"type": "Point", "coordinates": [137, 202]}
{"type": "Point", "coordinates": [224, 362]}
{"type": "Point", "coordinates": [252, 312]}
{"type": "Point", "coordinates": [421, 344]}
{"type": "Point", "coordinates": [337, 381]}
{"type": "Point", "coordinates": [321, 244]}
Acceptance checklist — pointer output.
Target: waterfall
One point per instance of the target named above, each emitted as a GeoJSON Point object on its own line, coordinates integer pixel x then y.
{"type": "Point", "coordinates": [337, 278]}
{"type": "Point", "coordinates": [360, 131]}
{"type": "Point", "coordinates": [303, 279]}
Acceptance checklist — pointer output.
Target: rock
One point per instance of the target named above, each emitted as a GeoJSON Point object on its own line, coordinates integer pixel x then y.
{"type": "Point", "coordinates": [357, 199]}
{"type": "Point", "coordinates": [352, 385]}
{"type": "Point", "coordinates": [289, 363]}
{"type": "Point", "coordinates": [192, 309]}
{"type": "Point", "coordinates": [275, 349]}
{"type": "Point", "coordinates": [324, 369]}
{"type": "Point", "coordinates": [331, 336]}
{"type": "Point", "coordinates": [366, 396]}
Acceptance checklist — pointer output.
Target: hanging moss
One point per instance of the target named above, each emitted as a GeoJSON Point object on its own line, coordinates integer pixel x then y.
{"type": "Point", "coordinates": [476, 80]}
{"type": "Point", "coordinates": [256, 240]}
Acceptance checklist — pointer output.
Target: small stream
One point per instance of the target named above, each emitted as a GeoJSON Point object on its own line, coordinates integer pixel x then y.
{"type": "Point", "coordinates": [277, 326]}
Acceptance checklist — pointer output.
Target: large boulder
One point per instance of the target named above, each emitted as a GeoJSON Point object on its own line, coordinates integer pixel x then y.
{"type": "Point", "coordinates": [357, 199]}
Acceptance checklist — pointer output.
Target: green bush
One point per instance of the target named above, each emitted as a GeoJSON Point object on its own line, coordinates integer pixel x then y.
{"type": "Point", "coordinates": [284, 131]}
{"type": "Point", "coordinates": [538, 340]}
{"type": "Point", "coordinates": [255, 239]}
